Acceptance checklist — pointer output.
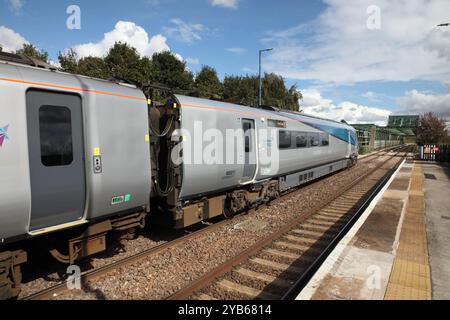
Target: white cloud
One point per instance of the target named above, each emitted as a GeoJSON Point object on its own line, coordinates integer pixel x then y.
{"type": "Point", "coordinates": [419, 103]}
{"type": "Point", "coordinates": [439, 41]}
{"type": "Point", "coordinates": [236, 50]}
{"type": "Point", "coordinates": [372, 96]}
{"type": "Point", "coordinates": [179, 57]}
{"type": "Point", "coordinates": [15, 5]}
{"type": "Point", "coordinates": [339, 48]}
{"type": "Point", "coordinates": [314, 104]}
{"type": "Point", "coordinates": [246, 69]}
{"type": "Point", "coordinates": [369, 95]}
{"type": "Point", "coordinates": [192, 60]}
{"type": "Point", "coordinates": [55, 63]}
{"type": "Point", "coordinates": [126, 32]}
{"type": "Point", "coordinates": [183, 31]}
{"type": "Point", "coordinates": [224, 3]}
{"type": "Point", "coordinates": [11, 40]}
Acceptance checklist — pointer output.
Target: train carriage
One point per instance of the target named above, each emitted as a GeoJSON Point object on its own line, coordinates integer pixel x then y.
{"type": "Point", "coordinates": [300, 149]}
{"type": "Point", "coordinates": [73, 154]}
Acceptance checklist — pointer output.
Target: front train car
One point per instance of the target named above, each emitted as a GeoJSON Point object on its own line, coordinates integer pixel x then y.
{"type": "Point", "coordinates": [74, 156]}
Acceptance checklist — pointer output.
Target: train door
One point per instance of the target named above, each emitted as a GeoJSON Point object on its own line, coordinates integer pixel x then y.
{"type": "Point", "coordinates": [56, 154]}
{"type": "Point", "coordinates": [249, 149]}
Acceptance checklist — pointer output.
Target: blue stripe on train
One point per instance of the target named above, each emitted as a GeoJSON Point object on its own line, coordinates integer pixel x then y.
{"type": "Point", "coordinates": [339, 133]}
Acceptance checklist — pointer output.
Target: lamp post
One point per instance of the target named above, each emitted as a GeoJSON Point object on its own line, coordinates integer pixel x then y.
{"type": "Point", "coordinates": [260, 78]}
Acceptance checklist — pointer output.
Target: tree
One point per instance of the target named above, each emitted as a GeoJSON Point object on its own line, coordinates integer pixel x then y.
{"type": "Point", "coordinates": [124, 63]}
{"type": "Point", "coordinates": [293, 98]}
{"type": "Point", "coordinates": [207, 83]}
{"type": "Point", "coordinates": [31, 51]}
{"type": "Point", "coordinates": [245, 90]}
{"type": "Point", "coordinates": [170, 72]}
{"type": "Point", "coordinates": [274, 91]}
{"type": "Point", "coordinates": [68, 61]}
{"type": "Point", "coordinates": [241, 90]}
{"type": "Point", "coordinates": [431, 129]}
{"type": "Point", "coordinates": [276, 94]}
{"type": "Point", "coordinates": [93, 67]}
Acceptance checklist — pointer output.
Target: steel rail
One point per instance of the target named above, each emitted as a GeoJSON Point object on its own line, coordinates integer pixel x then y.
{"type": "Point", "coordinates": [224, 268]}
{"type": "Point", "coordinates": [96, 273]}
{"type": "Point", "coordinates": [306, 276]}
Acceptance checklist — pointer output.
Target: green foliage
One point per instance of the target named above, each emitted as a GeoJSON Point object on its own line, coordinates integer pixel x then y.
{"type": "Point", "coordinates": [68, 61]}
{"type": "Point", "coordinates": [93, 67]}
{"type": "Point", "coordinates": [245, 90]}
{"type": "Point", "coordinates": [170, 72]}
{"type": "Point", "coordinates": [207, 84]}
{"type": "Point", "coordinates": [124, 63]}
{"type": "Point", "coordinates": [31, 51]}
{"type": "Point", "coordinates": [241, 90]}
{"type": "Point", "coordinates": [276, 94]}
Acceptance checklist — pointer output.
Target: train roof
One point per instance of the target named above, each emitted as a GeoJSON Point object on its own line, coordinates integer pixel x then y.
{"type": "Point", "coordinates": [258, 112]}
{"type": "Point", "coordinates": [41, 76]}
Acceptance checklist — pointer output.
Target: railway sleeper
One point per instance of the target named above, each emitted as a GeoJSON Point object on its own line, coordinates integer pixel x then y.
{"type": "Point", "coordinates": [245, 290]}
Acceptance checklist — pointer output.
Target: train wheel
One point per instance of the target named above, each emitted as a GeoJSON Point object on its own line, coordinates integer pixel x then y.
{"type": "Point", "coordinates": [228, 213]}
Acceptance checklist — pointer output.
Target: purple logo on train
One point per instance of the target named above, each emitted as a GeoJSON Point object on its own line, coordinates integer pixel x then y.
{"type": "Point", "coordinates": [3, 134]}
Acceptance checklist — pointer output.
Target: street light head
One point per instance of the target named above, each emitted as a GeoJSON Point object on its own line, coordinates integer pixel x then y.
{"type": "Point", "coordinates": [443, 25]}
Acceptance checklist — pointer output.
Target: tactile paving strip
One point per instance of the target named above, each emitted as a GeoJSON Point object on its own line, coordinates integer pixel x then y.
{"type": "Point", "coordinates": [410, 277]}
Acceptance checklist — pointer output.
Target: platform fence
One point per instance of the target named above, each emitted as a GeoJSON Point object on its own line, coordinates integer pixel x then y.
{"type": "Point", "coordinates": [435, 152]}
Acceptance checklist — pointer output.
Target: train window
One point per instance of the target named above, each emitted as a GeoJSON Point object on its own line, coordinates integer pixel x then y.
{"type": "Point", "coordinates": [247, 144]}
{"type": "Point", "coordinates": [301, 140]}
{"type": "Point", "coordinates": [55, 128]}
{"type": "Point", "coordinates": [247, 136]}
{"type": "Point", "coordinates": [325, 138]}
{"type": "Point", "coordinates": [284, 140]}
{"type": "Point", "coordinates": [314, 139]}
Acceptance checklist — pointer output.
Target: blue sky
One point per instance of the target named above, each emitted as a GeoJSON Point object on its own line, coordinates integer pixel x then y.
{"type": "Point", "coordinates": [356, 59]}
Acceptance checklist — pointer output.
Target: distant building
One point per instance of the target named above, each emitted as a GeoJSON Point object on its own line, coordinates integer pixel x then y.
{"type": "Point", "coordinates": [404, 121]}
{"type": "Point", "coordinates": [406, 124]}
{"type": "Point", "coordinates": [372, 137]}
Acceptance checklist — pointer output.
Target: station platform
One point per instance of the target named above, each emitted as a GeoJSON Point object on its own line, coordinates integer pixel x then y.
{"type": "Point", "coordinates": [398, 249]}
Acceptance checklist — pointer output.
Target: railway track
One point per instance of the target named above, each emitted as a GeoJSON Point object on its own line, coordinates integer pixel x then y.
{"type": "Point", "coordinates": [376, 154]}
{"type": "Point", "coordinates": [278, 266]}
{"type": "Point", "coordinates": [91, 276]}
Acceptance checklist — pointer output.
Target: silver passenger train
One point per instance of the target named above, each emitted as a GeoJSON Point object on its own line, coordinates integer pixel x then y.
{"type": "Point", "coordinates": [80, 157]}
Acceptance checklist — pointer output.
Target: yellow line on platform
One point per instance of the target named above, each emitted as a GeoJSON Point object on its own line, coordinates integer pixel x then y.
{"type": "Point", "coordinates": [410, 277]}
